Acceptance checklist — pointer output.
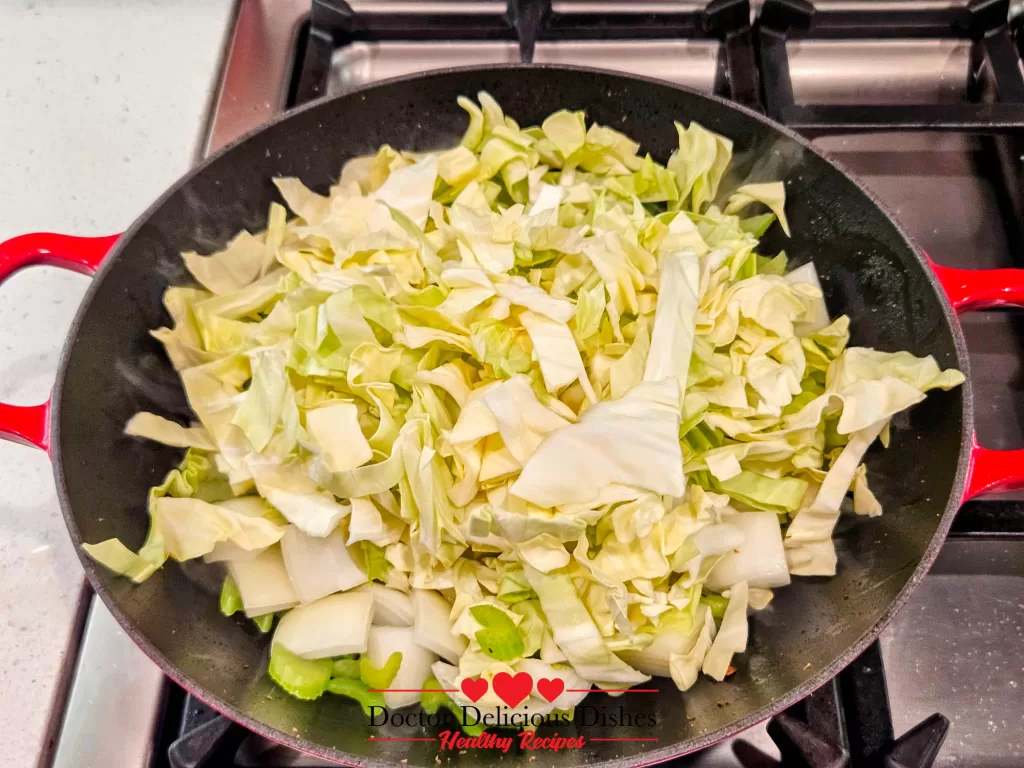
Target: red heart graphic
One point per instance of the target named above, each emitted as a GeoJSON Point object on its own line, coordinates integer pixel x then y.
{"type": "Point", "coordinates": [473, 689]}
{"type": "Point", "coordinates": [512, 690]}
{"type": "Point", "coordinates": [551, 688]}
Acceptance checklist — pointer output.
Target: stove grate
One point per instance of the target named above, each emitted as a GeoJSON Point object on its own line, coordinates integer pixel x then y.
{"type": "Point", "coordinates": [983, 22]}
{"type": "Point", "coordinates": [334, 23]}
{"type": "Point", "coordinates": [844, 724]}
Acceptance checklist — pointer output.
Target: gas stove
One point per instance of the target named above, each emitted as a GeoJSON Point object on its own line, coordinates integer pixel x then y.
{"type": "Point", "coordinates": [924, 101]}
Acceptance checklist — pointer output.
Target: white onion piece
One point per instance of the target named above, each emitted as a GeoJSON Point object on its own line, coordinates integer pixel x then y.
{"type": "Point", "coordinates": [319, 566]}
{"type": "Point", "coordinates": [263, 583]}
{"type": "Point", "coordinates": [433, 626]}
{"type": "Point", "coordinates": [415, 667]}
{"type": "Point", "coordinates": [760, 560]}
{"type": "Point", "coordinates": [391, 607]}
{"type": "Point", "coordinates": [226, 551]}
{"type": "Point", "coordinates": [331, 626]}
{"type": "Point", "coordinates": [654, 659]}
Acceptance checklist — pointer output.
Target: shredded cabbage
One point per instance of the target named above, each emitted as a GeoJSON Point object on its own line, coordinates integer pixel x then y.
{"type": "Point", "coordinates": [535, 403]}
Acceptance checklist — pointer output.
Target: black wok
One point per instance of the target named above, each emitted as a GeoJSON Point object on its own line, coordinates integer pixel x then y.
{"type": "Point", "coordinates": [111, 368]}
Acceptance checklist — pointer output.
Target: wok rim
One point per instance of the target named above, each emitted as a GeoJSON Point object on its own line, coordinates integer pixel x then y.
{"type": "Point", "coordinates": [661, 754]}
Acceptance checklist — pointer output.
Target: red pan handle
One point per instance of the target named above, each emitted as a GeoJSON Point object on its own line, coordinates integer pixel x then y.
{"type": "Point", "coordinates": [972, 289]}
{"type": "Point", "coordinates": [969, 290]}
{"type": "Point", "coordinates": [30, 424]}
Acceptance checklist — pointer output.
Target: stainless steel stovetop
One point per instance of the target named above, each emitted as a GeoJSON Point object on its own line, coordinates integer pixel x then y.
{"type": "Point", "coordinates": [956, 648]}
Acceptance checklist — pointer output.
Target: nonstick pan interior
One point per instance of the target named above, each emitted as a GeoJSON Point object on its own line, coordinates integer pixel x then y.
{"type": "Point", "coordinates": [113, 368]}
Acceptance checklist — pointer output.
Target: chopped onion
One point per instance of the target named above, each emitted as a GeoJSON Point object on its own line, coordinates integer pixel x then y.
{"type": "Point", "coordinates": [331, 626]}
{"type": "Point", "coordinates": [760, 560]}
{"type": "Point", "coordinates": [433, 626]}
{"type": "Point", "coordinates": [226, 551]}
{"type": "Point", "coordinates": [319, 566]}
{"type": "Point", "coordinates": [263, 583]}
{"type": "Point", "coordinates": [415, 667]}
{"type": "Point", "coordinates": [391, 607]}
{"type": "Point", "coordinates": [670, 639]}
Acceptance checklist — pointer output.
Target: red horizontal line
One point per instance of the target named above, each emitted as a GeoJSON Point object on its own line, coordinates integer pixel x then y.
{"type": "Point", "coordinates": [413, 690]}
{"type": "Point", "coordinates": [399, 738]}
{"type": "Point", "coordinates": [611, 690]}
{"type": "Point", "coordinates": [638, 738]}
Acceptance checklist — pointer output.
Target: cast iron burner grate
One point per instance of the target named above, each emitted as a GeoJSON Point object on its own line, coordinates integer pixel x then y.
{"type": "Point", "coordinates": [333, 23]}
{"type": "Point", "coordinates": [847, 723]}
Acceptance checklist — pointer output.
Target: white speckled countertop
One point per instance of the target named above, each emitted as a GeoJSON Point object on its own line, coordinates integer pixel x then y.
{"type": "Point", "coordinates": [102, 105]}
